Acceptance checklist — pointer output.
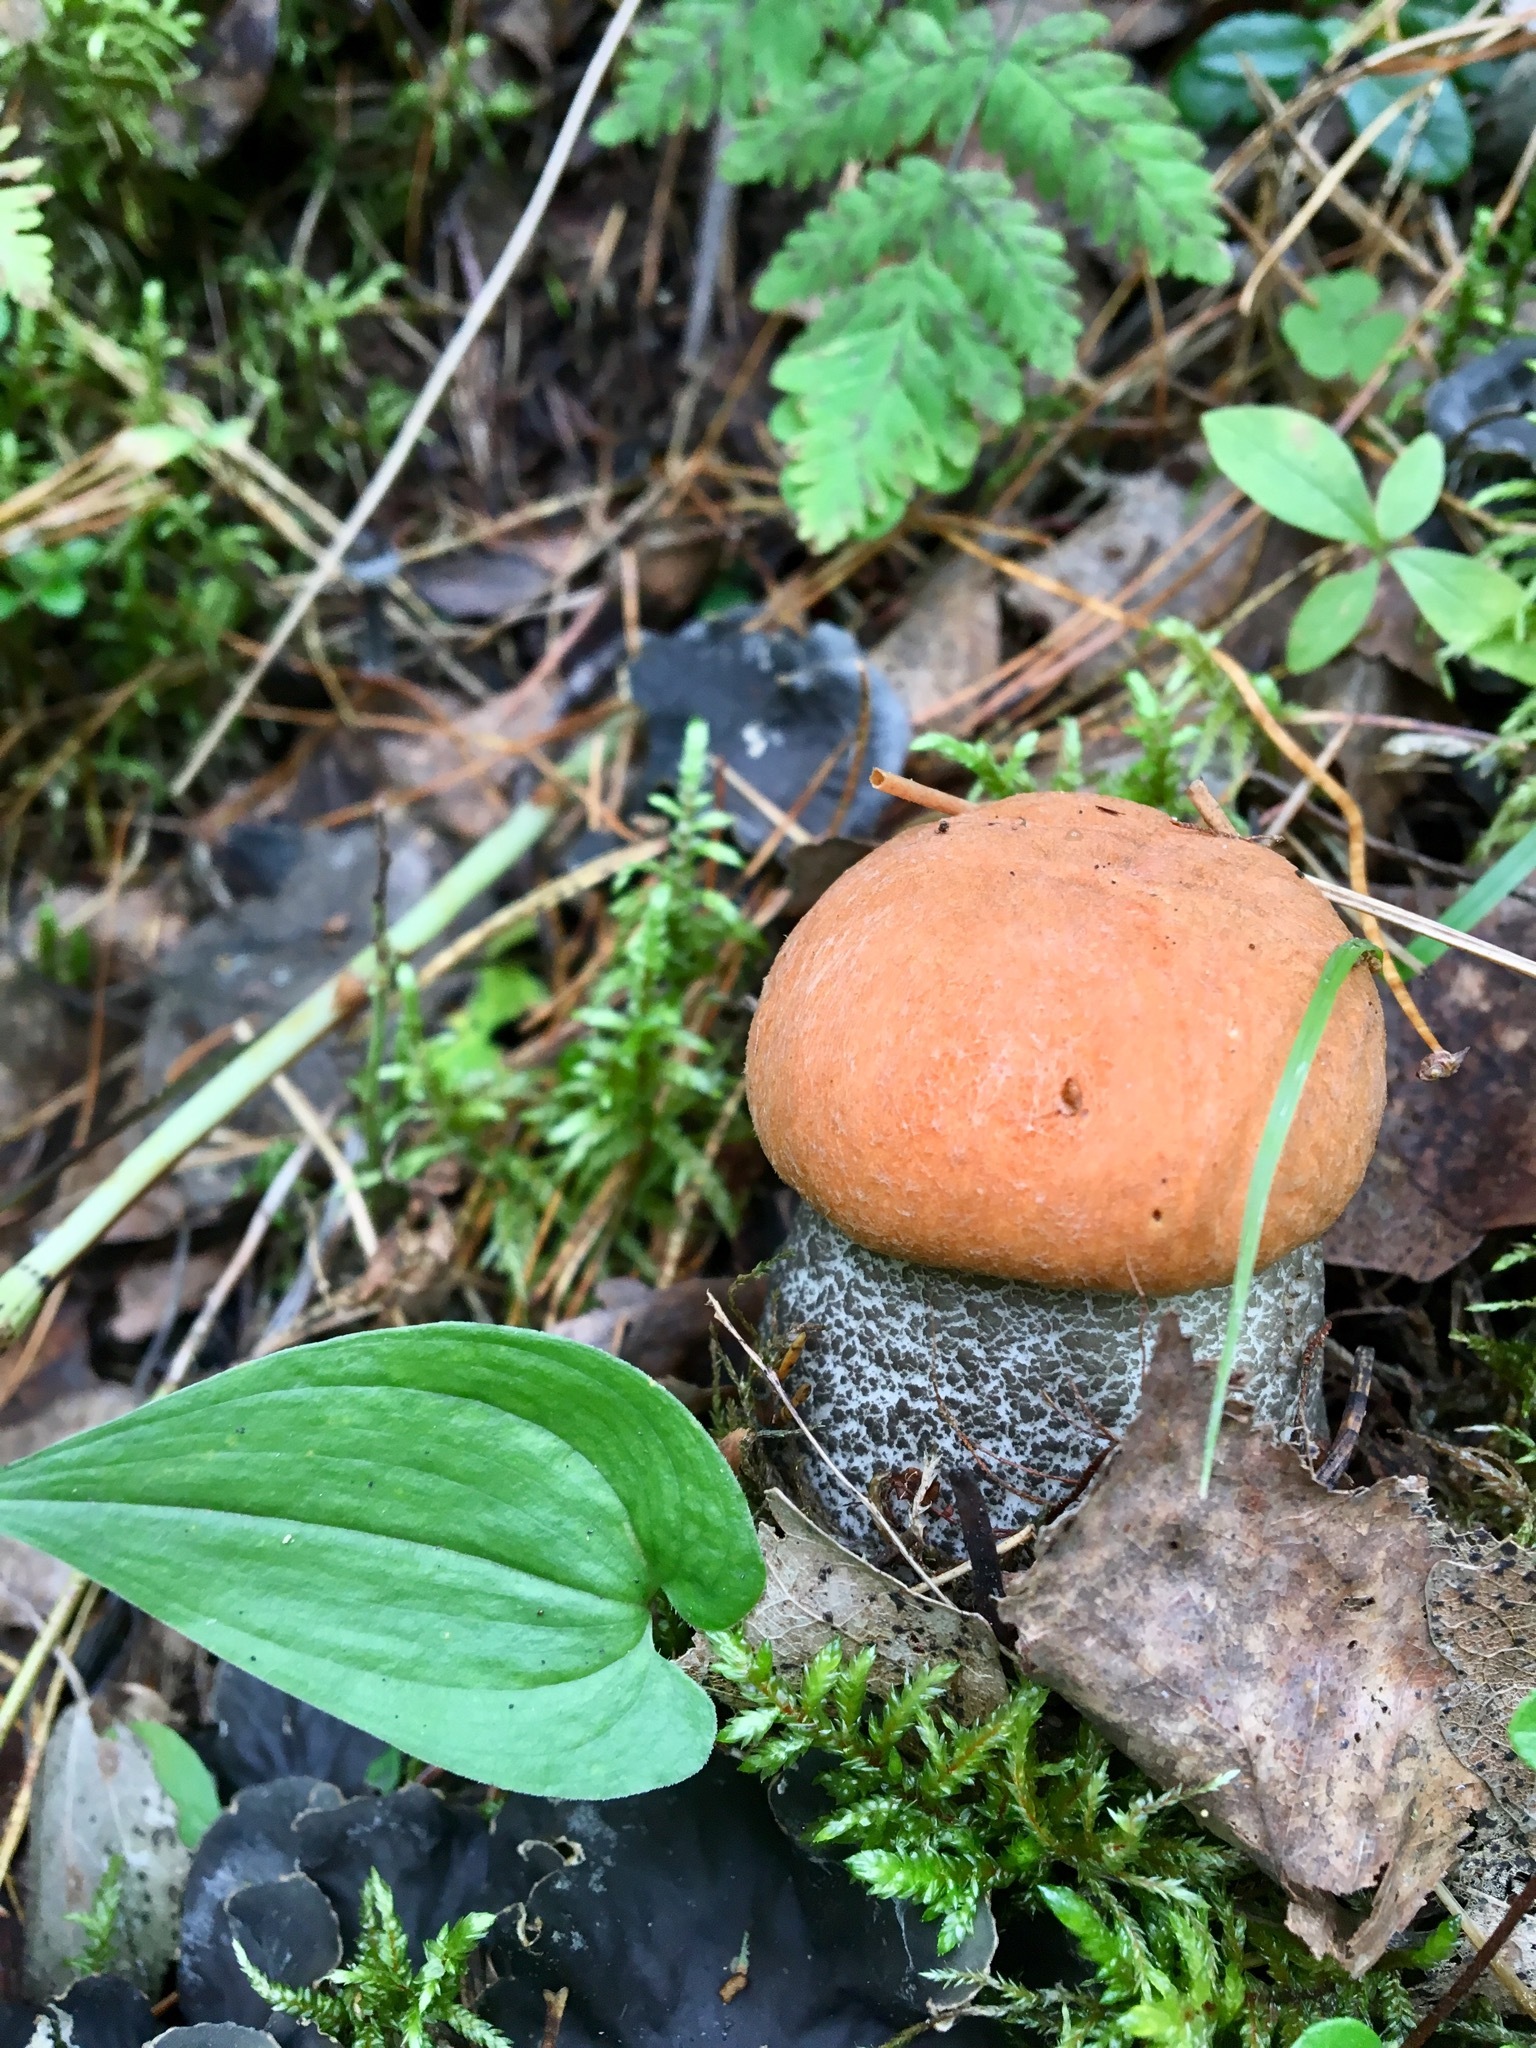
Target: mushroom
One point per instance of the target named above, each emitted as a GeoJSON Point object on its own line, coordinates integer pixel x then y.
{"type": "Point", "coordinates": [1017, 1063]}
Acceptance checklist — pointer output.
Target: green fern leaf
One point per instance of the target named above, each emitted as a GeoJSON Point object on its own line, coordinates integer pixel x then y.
{"type": "Point", "coordinates": [1115, 152]}
{"type": "Point", "coordinates": [26, 253]}
{"type": "Point", "coordinates": [885, 391]}
{"type": "Point", "coordinates": [695, 55]}
{"type": "Point", "coordinates": [916, 77]}
{"type": "Point", "coordinates": [970, 224]}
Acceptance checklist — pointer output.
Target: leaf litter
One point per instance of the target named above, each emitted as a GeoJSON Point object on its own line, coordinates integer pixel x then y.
{"type": "Point", "coordinates": [1268, 1644]}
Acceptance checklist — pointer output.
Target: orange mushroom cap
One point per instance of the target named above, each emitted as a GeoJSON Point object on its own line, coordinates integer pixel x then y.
{"type": "Point", "coordinates": [1040, 1040]}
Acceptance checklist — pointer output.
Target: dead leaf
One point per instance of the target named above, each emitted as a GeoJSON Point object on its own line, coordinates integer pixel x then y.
{"type": "Point", "coordinates": [818, 1590]}
{"type": "Point", "coordinates": [150, 1291]}
{"type": "Point", "coordinates": [951, 636]}
{"type": "Point", "coordinates": [408, 1279]}
{"type": "Point", "coordinates": [1145, 518]}
{"type": "Point", "coordinates": [29, 1578]}
{"type": "Point", "coordinates": [1456, 1159]}
{"type": "Point", "coordinates": [1276, 1631]}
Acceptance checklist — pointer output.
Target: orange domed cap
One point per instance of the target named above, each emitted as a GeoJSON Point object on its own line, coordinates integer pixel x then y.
{"type": "Point", "coordinates": [1039, 1040]}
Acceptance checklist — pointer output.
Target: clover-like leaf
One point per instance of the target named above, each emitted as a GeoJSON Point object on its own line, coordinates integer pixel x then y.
{"type": "Point", "coordinates": [1411, 488]}
{"type": "Point", "coordinates": [1296, 468]}
{"type": "Point", "coordinates": [449, 1536]}
{"type": "Point", "coordinates": [1340, 335]}
{"type": "Point", "coordinates": [1330, 617]}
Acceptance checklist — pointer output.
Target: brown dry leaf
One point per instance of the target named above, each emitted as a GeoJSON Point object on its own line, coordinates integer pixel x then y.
{"type": "Point", "coordinates": [408, 1279]}
{"type": "Point", "coordinates": [1275, 1630]}
{"type": "Point", "coordinates": [1146, 516]}
{"type": "Point", "coordinates": [152, 1289]}
{"type": "Point", "coordinates": [1455, 1159]}
{"type": "Point", "coordinates": [818, 1590]}
{"type": "Point", "coordinates": [951, 635]}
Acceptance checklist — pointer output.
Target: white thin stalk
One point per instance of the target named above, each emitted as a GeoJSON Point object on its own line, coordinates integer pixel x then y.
{"type": "Point", "coordinates": [1427, 927]}
{"type": "Point", "coordinates": [22, 1289]}
{"type": "Point", "coordinates": [430, 396]}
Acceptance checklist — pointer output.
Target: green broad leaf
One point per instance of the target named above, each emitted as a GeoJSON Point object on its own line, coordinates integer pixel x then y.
{"type": "Point", "coordinates": [1508, 654]}
{"type": "Point", "coordinates": [1411, 488]}
{"type": "Point", "coordinates": [1522, 1731]}
{"type": "Point", "coordinates": [1338, 2034]}
{"type": "Point", "coordinates": [1465, 599]}
{"type": "Point", "coordinates": [1293, 466]}
{"type": "Point", "coordinates": [1341, 336]}
{"type": "Point", "coordinates": [449, 1536]}
{"type": "Point", "coordinates": [184, 1778]}
{"type": "Point", "coordinates": [1209, 85]}
{"type": "Point", "coordinates": [1442, 147]}
{"type": "Point", "coordinates": [1330, 617]}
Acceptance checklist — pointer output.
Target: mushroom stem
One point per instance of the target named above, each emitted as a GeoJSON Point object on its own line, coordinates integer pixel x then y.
{"type": "Point", "coordinates": [918, 793]}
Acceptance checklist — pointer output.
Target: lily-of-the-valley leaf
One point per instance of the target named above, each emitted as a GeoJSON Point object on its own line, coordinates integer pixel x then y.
{"type": "Point", "coordinates": [449, 1536]}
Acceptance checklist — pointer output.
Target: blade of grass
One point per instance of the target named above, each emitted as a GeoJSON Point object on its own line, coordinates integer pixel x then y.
{"type": "Point", "coordinates": [1485, 894]}
{"type": "Point", "coordinates": [1277, 1128]}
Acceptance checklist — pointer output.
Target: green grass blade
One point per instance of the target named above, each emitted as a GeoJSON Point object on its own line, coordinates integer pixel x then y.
{"type": "Point", "coordinates": [1277, 1128]}
{"type": "Point", "coordinates": [1485, 894]}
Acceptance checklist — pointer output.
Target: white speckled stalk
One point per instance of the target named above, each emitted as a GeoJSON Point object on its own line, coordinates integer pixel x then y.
{"type": "Point", "coordinates": [906, 1361]}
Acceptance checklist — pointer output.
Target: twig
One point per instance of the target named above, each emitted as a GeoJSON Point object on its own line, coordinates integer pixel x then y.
{"type": "Point", "coordinates": [831, 1464]}
{"type": "Point", "coordinates": [1211, 815]}
{"type": "Point", "coordinates": [21, 1368]}
{"type": "Point", "coordinates": [1005, 1544]}
{"type": "Point", "coordinates": [427, 401]}
{"type": "Point", "coordinates": [980, 1542]}
{"type": "Point", "coordinates": [255, 1231]}
{"type": "Point", "coordinates": [313, 1125]}
{"type": "Point", "coordinates": [1511, 1980]}
{"type": "Point", "coordinates": [21, 1805]}
{"type": "Point", "coordinates": [920, 793]}
{"type": "Point", "coordinates": [1286, 811]}
{"type": "Point", "coordinates": [1286, 744]}
{"type": "Point", "coordinates": [1351, 1422]}
{"type": "Point", "coordinates": [1461, 1984]}
{"type": "Point", "coordinates": [48, 1637]}
{"type": "Point", "coordinates": [714, 225]}
{"type": "Point", "coordinates": [1390, 913]}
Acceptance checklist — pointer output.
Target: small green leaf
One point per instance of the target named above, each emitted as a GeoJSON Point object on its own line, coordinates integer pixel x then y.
{"type": "Point", "coordinates": [1209, 85]}
{"type": "Point", "coordinates": [1338, 2034]}
{"type": "Point", "coordinates": [1340, 335]}
{"type": "Point", "coordinates": [1411, 488]}
{"type": "Point", "coordinates": [449, 1536]}
{"type": "Point", "coordinates": [1296, 468]}
{"type": "Point", "coordinates": [1442, 147]}
{"type": "Point", "coordinates": [1522, 1731]}
{"type": "Point", "coordinates": [1330, 617]}
{"type": "Point", "coordinates": [1437, 1945]}
{"type": "Point", "coordinates": [1508, 654]}
{"type": "Point", "coordinates": [1465, 599]}
{"type": "Point", "coordinates": [184, 1778]}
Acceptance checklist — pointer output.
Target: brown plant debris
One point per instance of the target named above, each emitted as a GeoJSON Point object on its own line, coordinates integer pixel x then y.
{"type": "Point", "coordinates": [1273, 1634]}
{"type": "Point", "coordinates": [817, 1590]}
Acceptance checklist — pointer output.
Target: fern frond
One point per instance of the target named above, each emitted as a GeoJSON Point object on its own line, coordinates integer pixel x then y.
{"type": "Point", "coordinates": [916, 77]}
{"type": "Point", "coordinates": [681, 67]}
{"type": "Point", "coordinates": [26, 253]}
{"type": "Point", "coordinates": [971, 224]}
{"type": "Point", "coordinates": [1115, 152]}
{"type": "Point", "coordinates": [884, 393]}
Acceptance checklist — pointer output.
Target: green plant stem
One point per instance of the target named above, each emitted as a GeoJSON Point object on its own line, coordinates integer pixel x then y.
{"type": "Point", "coordinates": [1485, 894]}
{"type": "Point", "coordinates": [49, 1636]}
{"type": "Point", "coordinates": [1277, 1128]}
{"type": "Point", "coordinates": [22, 1289]}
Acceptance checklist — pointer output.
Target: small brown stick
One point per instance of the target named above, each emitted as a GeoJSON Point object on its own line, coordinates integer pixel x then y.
{"type": "Point", "coordinates": [918, 793]}
{"type": "Point", "coordinates": [554, 2013]}
{"type": "Point", "coordinates": [1212, 816]}
{"type": "Point", "coordinates": [1351, 1422]}
{"type": "Point", "coordinates": [980, 1543]}
{"type": "Point", "coordinates": [19, 1370]}
{"type": "Point", "coordinates": [1354, 821]}
{"type": "Point", "coordinates": [1005, 1544]}
{"type": "Point", "coordinates": [1461, 1984]}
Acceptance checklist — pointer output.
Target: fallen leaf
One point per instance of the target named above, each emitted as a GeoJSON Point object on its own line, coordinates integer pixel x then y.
{"type": "Point", "coordinates": [1456, 1159]}
{"type": "Point", "coordinates": [149, 1292]}
{"type": "Point", "coordinates": [468, 758]}
{"type": "Point", "coordinates": [1145, 518]}
{"type": "Point", "coordinates": [98, 1797]}
{"type": "Point", "coordinates": [31, 1581]}
{"type": "Point", "coordinates": [818, 1590]}
{"type": "Point", "coordinates": [1275, 1632]}
{"type": "Point", "coordinates": [951, 636]}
